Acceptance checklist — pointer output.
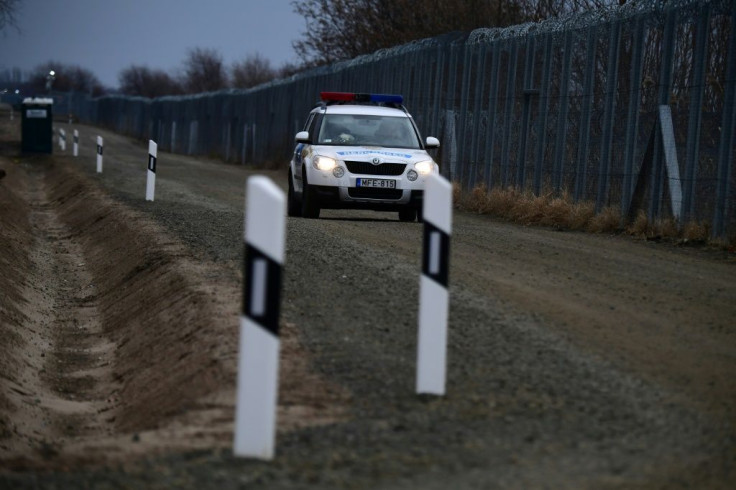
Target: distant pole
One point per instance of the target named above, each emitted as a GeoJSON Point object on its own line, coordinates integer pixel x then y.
{"type": "Point", "coordinates": [258, 360]}
{"type": "Point", "coordinates": [433, 287]}
{"type": "Point", "coordinates": [100, 143]}
{"type": "Point", "coordinates": [151, 180]}
{"type": "Point", "coordinates": [75, 148]}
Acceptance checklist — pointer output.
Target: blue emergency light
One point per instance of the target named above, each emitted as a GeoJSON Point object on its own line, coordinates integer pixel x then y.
{"type": "Point", "coordinates": [353, 97]}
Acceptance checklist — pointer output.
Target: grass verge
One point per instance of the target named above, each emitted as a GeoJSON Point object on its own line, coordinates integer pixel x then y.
{"type": "Point", "coordinates": [560, 211]}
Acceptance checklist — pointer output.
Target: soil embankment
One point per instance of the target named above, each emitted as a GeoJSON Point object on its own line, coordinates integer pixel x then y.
{"type": "Point", "coordinates": [116, 342]}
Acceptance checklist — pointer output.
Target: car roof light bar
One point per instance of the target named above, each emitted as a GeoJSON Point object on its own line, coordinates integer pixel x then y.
{"type": "Point", "coordinates": [337, 96]}
{"type": "Point", "coordinates": [387, 98]}
{"type": "Point", "coordinates": [353, 97]}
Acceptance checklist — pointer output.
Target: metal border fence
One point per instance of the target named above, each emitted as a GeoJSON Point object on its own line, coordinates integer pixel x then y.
{"type": "Point", "coordinates": [567, 105]}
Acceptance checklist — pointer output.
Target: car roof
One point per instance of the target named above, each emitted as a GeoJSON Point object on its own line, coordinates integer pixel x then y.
{"type": "Point", "coordinates": [370, 110]}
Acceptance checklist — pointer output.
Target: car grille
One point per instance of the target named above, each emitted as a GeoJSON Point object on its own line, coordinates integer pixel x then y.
{"type": "Point", "coordinates": [374, 193]}
{"type": "Point", "coordinates": [367, 168]}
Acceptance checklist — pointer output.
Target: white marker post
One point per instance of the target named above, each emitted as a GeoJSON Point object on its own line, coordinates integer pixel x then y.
{"type": "Point", "coordinates": [99, 154]}
{"type": "Point", "coordinates": [151, 180]}
{"type": "Point", "coordinates": [433, 292]}
{"type": "Point", "coordinates": [75, 148]}
{"type": "Point", "coordinates": [62, 139]}
{"type": "Point", "coordinates": [258, 362]}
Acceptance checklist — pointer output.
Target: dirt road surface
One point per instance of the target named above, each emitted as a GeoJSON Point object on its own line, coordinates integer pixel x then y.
{"type": "Point", "coordinates": [575, 360]}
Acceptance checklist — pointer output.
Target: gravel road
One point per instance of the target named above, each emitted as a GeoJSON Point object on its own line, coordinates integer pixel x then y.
{"type": "Point", "coordinates": [575, 360]}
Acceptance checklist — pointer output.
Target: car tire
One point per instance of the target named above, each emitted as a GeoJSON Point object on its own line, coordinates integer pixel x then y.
{"type": "Point", "coordinates": [409, 214]}
{"type": "Point", "coordinates": [294, 206]}
{"type": "Point", "coordinates": [310, 205]}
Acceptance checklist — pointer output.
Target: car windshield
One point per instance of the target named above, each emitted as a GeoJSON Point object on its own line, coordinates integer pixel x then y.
{"type": "Point", "coordinates": [366, 130]}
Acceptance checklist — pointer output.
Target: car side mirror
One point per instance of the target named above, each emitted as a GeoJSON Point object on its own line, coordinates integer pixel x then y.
{"type": "Point", "coordinates": [432, 143]}
{"type": "Point", "coordinates": [302, 137]}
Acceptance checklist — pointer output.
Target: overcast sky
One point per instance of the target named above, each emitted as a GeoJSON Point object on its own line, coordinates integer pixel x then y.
{"type": "Point", "coordinates": [106, 36]}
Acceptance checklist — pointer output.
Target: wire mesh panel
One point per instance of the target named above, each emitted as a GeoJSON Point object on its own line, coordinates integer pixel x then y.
{"type": "Point", "coordinates": [567, 105]}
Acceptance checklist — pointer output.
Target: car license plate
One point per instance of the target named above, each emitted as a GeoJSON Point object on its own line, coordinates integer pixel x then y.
{"type": "Point", "coordinates": [380, 183]}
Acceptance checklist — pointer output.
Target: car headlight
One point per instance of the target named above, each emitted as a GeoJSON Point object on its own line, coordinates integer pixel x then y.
{"type": "Point", "coordinates": [425, 167]}
{"type": "Point", "coordinates": [324, 163]}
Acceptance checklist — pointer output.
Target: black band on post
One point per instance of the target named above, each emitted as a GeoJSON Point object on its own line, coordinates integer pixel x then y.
{"type": "Point", "coordinates": [262, 289]}
{"type": "Point", "coordinates": [436, 254]}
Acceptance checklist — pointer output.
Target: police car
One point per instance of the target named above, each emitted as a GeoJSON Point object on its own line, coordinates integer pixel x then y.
{"type": "Point", "coordinates": [360, 151]}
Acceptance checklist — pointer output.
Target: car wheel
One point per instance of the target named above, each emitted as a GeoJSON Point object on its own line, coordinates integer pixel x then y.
{"type": "Point", "coordinates": [294, 206]}
{"type": "Point", "coordinates": [409, 214]}
{"type": "Point", "coordinates": [310, 205]}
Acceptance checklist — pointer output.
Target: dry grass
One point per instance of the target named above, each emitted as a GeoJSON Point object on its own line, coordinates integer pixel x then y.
{"type": "Point", "coordinates": [560, 211]}
{"type": "Point", "coordinates": [695, 232]}
{"type": "Point", "coordinates": [546, 210]}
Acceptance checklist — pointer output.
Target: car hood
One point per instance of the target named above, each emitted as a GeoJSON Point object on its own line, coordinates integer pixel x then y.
{"type": "Point", "coordinates": [369, 153]}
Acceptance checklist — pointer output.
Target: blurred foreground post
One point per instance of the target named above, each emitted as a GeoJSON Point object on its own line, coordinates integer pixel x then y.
{"type": "Point", "coordinates": [258, 360]}
{"type": "Point", "coordinates": [99, 154]}
{"type": "Point", "coordinates": [151, 180]}
{"type": "Point", "coordinates": [433, 293]}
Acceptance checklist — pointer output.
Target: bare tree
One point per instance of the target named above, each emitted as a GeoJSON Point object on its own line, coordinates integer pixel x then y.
{"type": "Point", "coordinates": [147, 82]}
{"type": "Point", "coordinates": [537, 10]}
{"type": "Point", "coordinates": [288, 69]}
{"type": "Point", "coordinates": [204, 71]}
{"type": "Point", "coordinates": [343, 29]}
{"type": "Point", "coordinates": [67, 78]}
{"type": "Point", "coordinates": [8, 8]}
{"type": "Point", "coordinates": [253, 70]}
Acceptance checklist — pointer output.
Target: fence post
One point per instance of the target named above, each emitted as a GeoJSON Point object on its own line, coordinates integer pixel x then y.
{"type": "Point", "coordinates": [258, 360]}
{"type": "Point", "coordinates": [529, 92]}
{"type": "Point", "coordinates": [253, 146]}
{"type": "Point", "coordinates": [151, 173]}
{"type": "Point", "coordinates": [670, 159]}
{"type": "Point", "coordinates": [509, 111]}
{"type": "Point", "coordinates": [173, 136]}
{"type": "Point", "coordinates": [696, 112]}
{"type": "Point", "coordinates": [632, 118]}
{"type": "Point", "coordinates": [561, 135]}
{"type": "Point", "coordinates": [433, 287]}
{"type": "Point", "coordinates": [245, 143]}
{"type": "Point", "coordinates": [665, 85]}
{"type": "Point", "coordinates": [469, 53]}
{"type": "Point", "coordinates": [100, 144]}
{"type": "Point", "coordinates": [725, 152]}
{"type": "Point", "coordinates": [584, 135]}
{"type": "Point", "coordinates": [480, 74]}
{"type": "Point", "coordinates": [75, 148]}
{"type": "Point", "coordinates": [604, 166]}
{"type": "Point", "coordinates": [542, 118]}
{"type": "Point", "coordinates": [492, 107]}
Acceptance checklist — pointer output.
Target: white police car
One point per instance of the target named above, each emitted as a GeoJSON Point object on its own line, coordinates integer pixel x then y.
{"type": "Point", "coordinates": [360, 151]}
